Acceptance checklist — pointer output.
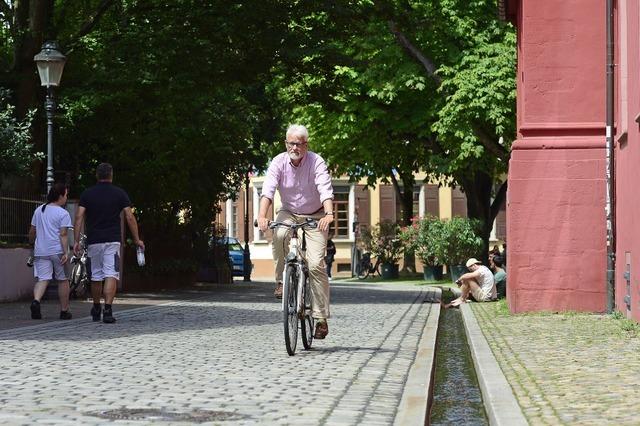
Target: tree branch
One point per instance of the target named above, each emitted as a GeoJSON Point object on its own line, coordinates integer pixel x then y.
{"type": "Point", "coordinates": [90, 23]}
{"type": "Point", "coordinates": [489, 143]}
{"type": "Point", "coordinates": [414, 52]}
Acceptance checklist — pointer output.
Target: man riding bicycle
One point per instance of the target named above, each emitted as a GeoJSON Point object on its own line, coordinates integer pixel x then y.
{"type": "Point", "coordinates": [304, 184]}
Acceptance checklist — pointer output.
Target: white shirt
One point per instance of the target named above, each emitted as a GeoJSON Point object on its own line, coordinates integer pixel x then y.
{"type": "Point", "coordinates": [48, 225]}
{"type": "Point", "coordinates": [486, 281]}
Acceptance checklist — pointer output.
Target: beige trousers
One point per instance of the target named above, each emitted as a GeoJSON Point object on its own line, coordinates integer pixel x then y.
{"type": "Point", "coordinates": [316, 248]}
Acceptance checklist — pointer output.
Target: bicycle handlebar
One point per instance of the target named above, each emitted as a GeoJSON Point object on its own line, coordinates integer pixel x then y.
{"type": "Point", "coordinates": [308, 223]}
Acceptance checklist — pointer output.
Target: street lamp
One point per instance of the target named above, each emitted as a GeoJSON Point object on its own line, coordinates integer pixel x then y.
{"type": "Point", "coordinates": [247, 254]}
{"type": "Point", "coordinates": [50, 65]}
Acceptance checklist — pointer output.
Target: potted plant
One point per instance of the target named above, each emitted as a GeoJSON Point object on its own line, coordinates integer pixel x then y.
{"type": "Point", "coordinates": [460, 242]}
{"type": "Point", "coordinates": [387, 246]}
{"type": "Point", "coordinates": [425, 238]}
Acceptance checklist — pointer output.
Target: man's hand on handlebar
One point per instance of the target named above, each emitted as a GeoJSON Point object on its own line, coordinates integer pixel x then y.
{"type": "Point", "coordinates": [323, 224]}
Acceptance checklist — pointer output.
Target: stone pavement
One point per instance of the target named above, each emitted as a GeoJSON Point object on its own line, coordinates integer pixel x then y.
{"type": "Point", "coordinates": [216, 356]}
{"type": "Point", "coordinates": [569, 368]}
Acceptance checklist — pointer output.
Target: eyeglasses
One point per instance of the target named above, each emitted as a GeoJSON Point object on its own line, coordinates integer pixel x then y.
{"type": "Point", "coordinates": [295, 144]}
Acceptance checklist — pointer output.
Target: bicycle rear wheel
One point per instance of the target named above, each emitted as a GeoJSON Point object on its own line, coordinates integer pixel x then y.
{"type": "Point", "coordinates": [289, 314]}
{"type": "Point", "coordinates": [307, 319]}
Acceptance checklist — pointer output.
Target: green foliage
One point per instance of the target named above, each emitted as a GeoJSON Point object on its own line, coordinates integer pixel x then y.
{"type": "Point", "coordinates": [16, 149]}
{"type": "Point", "coordinates": [461, 240]}
{"type": "Point", "coordinates": [427, 239]}
{"type": "Point", "coordinates": [385, 242]}
{"type": "Point", "coordinates": [626, 326]}
{"type": "Point", "coordinates": [171, 93]}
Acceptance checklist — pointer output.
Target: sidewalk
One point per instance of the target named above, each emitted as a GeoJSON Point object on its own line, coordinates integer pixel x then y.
{"type": "Point", "coordinates": [569, 368]}
{"type": "Point", "coordinates": [17, 314]}
{"type": "Point", "coordinates": [220, 358]}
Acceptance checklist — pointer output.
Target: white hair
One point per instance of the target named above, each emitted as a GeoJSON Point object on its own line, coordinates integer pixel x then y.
{"type": "Point", "coordinates": [298, 130]}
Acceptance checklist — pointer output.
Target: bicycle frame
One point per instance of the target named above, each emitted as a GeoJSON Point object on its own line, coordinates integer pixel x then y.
{"type": "Point", "coordinates": [295, 263]}
{"type": "Point", "coordinates": [296, 258]}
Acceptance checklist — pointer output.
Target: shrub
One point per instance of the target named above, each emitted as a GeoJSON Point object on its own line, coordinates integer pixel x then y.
{"type": "Point", "coordinates": [461, 240]}
{"type": "Point", "coordinates": [384, 242]}
{"type": "Point", "coordinates": [425, 237]}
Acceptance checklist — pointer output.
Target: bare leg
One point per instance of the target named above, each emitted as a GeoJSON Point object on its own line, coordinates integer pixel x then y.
{"type": "Point", "coordinates": [96, 291]}
{"type": "Point", "coordinates": [39, 289]}
{"type": "Point", "coordinates": [464, 290]}
{"type": "Point", "coordinates": [63, 295]}
{"type": "Point", "coordinates": [110, 287]}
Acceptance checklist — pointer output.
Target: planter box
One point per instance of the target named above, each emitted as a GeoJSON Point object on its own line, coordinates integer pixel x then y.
{"type": "Point", "coordinates": [457, 271]}
{"type": "Point", "coordinates": [389, 271]}
{"type": "Point", "coordinates": [433, 273]}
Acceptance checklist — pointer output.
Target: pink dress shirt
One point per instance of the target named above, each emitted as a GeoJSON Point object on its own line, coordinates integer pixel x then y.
{"type": "Point", "coordinates": [302, 189]}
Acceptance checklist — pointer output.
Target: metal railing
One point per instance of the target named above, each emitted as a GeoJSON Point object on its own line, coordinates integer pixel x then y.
{"type": "Point", "coordinates": [16, 210]}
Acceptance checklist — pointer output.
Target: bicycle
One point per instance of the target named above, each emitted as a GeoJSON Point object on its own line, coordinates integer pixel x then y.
{"type": "Point", "coordinates": [296, 294]}
{"type": "Point", "coordinates": [365, 267]}
{"type": "Point", "coordinates": [80, 279]}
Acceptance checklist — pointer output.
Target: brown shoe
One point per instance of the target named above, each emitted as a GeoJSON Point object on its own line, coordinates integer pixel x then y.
{"type": "Point", "coordinates": [278, 291]}
{"type": "Point", "coordinates": [322, 329]}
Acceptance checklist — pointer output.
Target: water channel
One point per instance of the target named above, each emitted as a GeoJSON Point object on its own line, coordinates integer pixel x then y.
{"type": "Point", "coordinates": [457, 398]}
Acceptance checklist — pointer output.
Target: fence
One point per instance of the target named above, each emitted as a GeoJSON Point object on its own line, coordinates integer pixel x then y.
{"type": "Point", "coordinates": [16, 210]}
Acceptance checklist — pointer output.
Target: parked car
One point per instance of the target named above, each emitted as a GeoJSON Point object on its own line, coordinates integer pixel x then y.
{"type": "Point", "coordinates": [236, 256]}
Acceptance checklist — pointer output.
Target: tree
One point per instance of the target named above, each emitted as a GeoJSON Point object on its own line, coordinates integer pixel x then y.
{"type": "Point", "coordinates": [16, 149]}
{"type": "Point", "coordinates": [476, 78]}
{"type": "Point", "coordinates": [438, 98]}
{"type": "Point", "coordinates": [171, 93]}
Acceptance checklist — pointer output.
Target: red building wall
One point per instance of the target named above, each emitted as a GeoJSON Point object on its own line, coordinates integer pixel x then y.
{"type": "Point", "coordinates": [627, 155]}
{"type": "Point", "coordinates": [556, 197]}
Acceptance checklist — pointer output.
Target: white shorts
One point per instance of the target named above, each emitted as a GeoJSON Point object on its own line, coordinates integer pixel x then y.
{"type": "Point", "coordinates": [46, 267]}
{"type": "Point", "coordinates": [481, 295]}
{"type": "Point", "coordinates": [105, 261]}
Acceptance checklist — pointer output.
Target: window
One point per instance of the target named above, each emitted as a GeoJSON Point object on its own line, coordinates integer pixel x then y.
{"type": "Point", "coordinates": [340, 225]}
{"type": "Point", "coordinates": [416, 204]}
{"type": "Point", "coordinates": [233, 222]}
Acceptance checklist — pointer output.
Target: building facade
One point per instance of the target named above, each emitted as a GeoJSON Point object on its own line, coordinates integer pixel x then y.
{"type": "Point", "coordinates": [557, 198]}
{"type": "Point", "coordinates": [356, 207]}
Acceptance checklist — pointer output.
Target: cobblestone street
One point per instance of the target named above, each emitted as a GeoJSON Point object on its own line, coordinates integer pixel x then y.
{"type": "Point", "coordinates": [217, 358]}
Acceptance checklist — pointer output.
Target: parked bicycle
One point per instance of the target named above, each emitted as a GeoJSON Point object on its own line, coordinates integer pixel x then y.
{"type": "Point", "coordinates": [296, 300]}
{"type": "Point", "coordinates": [365, 267]}
{"type": "Point", "coordinates": [79, 282]}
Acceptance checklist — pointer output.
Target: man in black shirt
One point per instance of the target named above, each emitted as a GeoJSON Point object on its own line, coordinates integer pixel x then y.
{"type": "Point", "coordinates": [101, 206]}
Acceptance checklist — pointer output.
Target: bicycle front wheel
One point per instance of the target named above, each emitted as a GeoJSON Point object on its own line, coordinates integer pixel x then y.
{"type": "Point", "coordinates": [307, 319]}
{"type": "Point", "coordinates": [377, 269]}
{"type": "Point", "coordinates": [289, 312]}
{"type": "Point", "coordinates": [362, 270]}
{"type": "Point", "coordinates": [75, 281]}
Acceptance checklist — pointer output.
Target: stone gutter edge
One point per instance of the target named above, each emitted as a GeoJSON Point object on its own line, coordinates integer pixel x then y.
{"type": "Point", "coordinates": [499, 401]}
{"type": "Point", "coordinates": [417, 390]}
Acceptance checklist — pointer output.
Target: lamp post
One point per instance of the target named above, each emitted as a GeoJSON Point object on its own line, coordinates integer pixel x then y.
{"type": "Point", "coordinates": [50, 64]}
{"type": "Point", "coordinates": [247, 254]}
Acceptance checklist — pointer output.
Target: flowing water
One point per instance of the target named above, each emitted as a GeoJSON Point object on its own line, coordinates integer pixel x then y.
{"type": "Point", "coordinates": [456, 394]}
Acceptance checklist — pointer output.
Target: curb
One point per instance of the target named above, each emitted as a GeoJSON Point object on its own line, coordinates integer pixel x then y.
{"type": "Point", "coordinates": [499, 401]}
{"type": "Point", "coordinates": [416, 395]}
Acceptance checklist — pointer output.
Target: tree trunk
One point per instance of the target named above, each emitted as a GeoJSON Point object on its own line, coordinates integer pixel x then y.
{"type": "Point", "coordinates": [406, 197]}
{"type": "Point", "coordinates": [478, 191]}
